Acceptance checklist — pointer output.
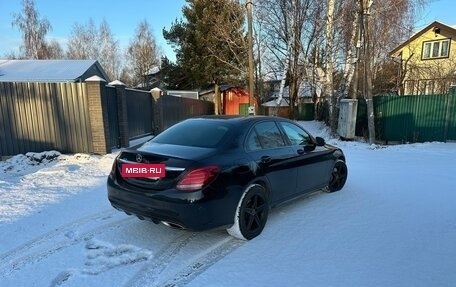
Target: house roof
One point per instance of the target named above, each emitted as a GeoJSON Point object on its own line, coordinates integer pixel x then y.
{"type": "Point", "coordinates": [153, 71]}
{"type": "Point", "coordinates": [49, 70]}
{"type": "Point", "coordinates": [222, 88]}
{"type": "Point", "coordinates": [435, 24]}
{"type": "Point", "coordinates": [273, 103]}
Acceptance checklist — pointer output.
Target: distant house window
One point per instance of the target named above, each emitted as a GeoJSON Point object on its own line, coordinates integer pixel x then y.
{"type": "Point", "coordinates": [436, 49]}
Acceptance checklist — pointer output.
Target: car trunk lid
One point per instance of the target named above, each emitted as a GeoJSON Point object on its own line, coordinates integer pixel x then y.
{"type": "Point", "coordinates": [175, 158]}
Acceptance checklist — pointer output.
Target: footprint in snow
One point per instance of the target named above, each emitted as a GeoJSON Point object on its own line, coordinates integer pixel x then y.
{"type": "Point", "coordinates": [103, 256]}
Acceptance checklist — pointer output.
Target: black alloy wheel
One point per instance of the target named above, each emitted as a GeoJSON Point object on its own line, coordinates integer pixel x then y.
{"type": "Point", "coordinates": [251, 215]}
{"type": "Point", "coordinates": [338, 176]}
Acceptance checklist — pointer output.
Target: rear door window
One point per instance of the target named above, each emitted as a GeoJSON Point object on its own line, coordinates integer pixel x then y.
{"type": "Point", "coordinates": [264, 135]}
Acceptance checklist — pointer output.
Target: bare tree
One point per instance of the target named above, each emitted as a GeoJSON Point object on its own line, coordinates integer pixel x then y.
{"type": "Point", "coordinates": [293, 31]}
{"type": "Point", "coordinates": [142, 53]}
{"type": "Point", "coordinates": [427, 77]}
{"type": "Point", "coordinates": [109, 53]}
{"type": "Point", "coordinates": [89, 42]}
{"type": "Point", "coordinates": [34, 30]}
{"type": "Point", "coordinates": [53, 50]}
{"type": "Point", "coordinates": [82, 43]}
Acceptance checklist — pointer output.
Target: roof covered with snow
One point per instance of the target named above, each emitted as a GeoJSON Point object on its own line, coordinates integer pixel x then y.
{"type": "Point", "coordinates": [153, 71]}
{"type": "Point", "coordinates": [273, 103]}
{"type": "Point", "coordinates": [49, 70]}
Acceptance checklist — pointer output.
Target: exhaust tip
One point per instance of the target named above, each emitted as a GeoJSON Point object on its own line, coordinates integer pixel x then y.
{"type": "Point", "coordinates": [172, 225]}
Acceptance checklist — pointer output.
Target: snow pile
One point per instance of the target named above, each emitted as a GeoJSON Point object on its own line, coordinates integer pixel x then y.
{"type": "Point", "coordinates": [29, 182]}
{"type": "Point", "coordinates": [29, 162]}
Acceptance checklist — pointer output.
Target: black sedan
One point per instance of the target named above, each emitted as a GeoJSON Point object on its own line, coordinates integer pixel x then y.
{"type": "Point", "coordinates": [224, 171]}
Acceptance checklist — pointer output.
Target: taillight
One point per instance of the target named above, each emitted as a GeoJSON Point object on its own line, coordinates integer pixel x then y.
{"type": "Point", "coordinates": [198, 178]}
{"type": "Point", "coordinates": [112, 174]}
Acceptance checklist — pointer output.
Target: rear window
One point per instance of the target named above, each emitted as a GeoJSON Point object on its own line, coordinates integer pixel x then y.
{"type": "Point", "coordinates": [197, 133]}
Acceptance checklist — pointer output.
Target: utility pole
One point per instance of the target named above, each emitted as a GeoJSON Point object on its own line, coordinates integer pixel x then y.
{"type": "Point", "coordinates": [368, 73]}
{"type": "Point", "coordinates": [248, 5]}
{"type": "Point", "coordinates": [330, 64]}
{"type": "Point", "coordinates": [359, 41]}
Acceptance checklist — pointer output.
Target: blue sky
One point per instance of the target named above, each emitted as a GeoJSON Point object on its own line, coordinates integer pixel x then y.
{"type": "Point", "coordinates": [124, 16]}
{"type": "Point", "coordinates": [437, 10]}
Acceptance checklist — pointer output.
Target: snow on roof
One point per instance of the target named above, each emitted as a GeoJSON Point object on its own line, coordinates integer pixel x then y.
{"type": "Point", "coordinates": [45, 70]}
{"type": "Point", "coordinates": [116, 83]}
{"type": "Point", "coordinates": [154, 70]}
{"type": "Point", "coordinates": [273, 103]}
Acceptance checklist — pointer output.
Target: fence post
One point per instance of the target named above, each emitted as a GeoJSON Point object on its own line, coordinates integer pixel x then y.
{"type": "Point", "coordinates": [156, 93]}
{"type": "Point", "coordinates": [449, 108]}
{"type": "Point", "coordinates": [98, 114]}
{"type": "Point", "coordinates": [122, 113]}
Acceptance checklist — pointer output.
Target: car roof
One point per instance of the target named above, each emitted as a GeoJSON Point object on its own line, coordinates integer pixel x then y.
{"type": "Point", "coordinates": [239, 118]}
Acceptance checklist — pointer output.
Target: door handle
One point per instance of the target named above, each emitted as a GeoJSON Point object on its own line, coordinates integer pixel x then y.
{"type": "Point", "coordinates": [300, 151]}
{"type": "Point", "coordinates": [265, 159]}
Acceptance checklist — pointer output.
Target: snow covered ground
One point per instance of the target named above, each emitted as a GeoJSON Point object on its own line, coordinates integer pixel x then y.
{"type": "Point", "coordinates": [394, 224]}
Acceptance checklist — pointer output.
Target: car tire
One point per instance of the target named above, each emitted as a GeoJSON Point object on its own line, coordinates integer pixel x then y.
{"type": "Point", "coordinates": [251, 213]}
{"type": "Point", "coordinates": [339, 175]}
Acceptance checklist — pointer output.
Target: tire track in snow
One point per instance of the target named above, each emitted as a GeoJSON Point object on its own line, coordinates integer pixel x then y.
{"type": "Point", "coordinates": [150, 274]}
{"type": "Point", "coordinates": [65, 236]}
{"type": "Point", "coordinates": [151, 271]}
{"type": "Point", "coordinates": [200, 264]}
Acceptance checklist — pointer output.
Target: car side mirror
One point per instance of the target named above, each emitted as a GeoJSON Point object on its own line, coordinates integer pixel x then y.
{"type": "Point", "coordinates": [320, 141]}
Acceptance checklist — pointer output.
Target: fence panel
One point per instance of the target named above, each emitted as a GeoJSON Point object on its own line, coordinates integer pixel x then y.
{"type": "Point", "coordinates": [113, 117]}
{"type": "Point", "coordinates": [412, 118]}
{"type": "Point", "coordinates": [450, 128]}
{"type": "Point", "coordinates": [43, 116]}
{"type": "Point", "coordinates": [173, 109]}
{"type": "Point", "coordinates": [140, 111]}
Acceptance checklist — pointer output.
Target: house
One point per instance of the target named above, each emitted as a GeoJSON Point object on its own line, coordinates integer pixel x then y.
{"type": "Point", "coordinates": [235, 100]}
{"type": "Point", "coordinates": [427, 60]}
{"type": "Point", "coordinates": [152, 79]}
{"type": "Point", "coordinates": [184, 94]}
{"type": "Point", "coordinates": [55, 71]}
{"type": "Point", "coordinates": [310, 89]}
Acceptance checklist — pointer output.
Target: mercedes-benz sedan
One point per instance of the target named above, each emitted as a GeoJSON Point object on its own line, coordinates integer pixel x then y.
{"type": "Point", "coordinates": [223, 171]}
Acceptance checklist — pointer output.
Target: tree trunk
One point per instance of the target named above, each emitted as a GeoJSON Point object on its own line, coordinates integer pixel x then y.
{"type": "Point", "coordinates": [217, 100]}
{"type": "Point", "coordinates": [330, 64]}
{"type": "Point", "coordinates": [349, 70]}
{"type": "Point", "coordinates": [251, 60]}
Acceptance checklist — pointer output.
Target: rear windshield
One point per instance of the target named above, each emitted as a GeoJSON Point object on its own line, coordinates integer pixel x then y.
{"type": "Point", "coordinates": [197, 133]}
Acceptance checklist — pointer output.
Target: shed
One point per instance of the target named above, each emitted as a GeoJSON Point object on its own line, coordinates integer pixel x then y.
{"type": "Point", "coordinates": [50, 70]}
{"type": "Point", "coordinates": [235, 100]}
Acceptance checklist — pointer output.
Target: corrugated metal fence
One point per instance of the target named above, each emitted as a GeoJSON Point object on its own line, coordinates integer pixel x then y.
{"type": "Point", "coordinates": [113, 116]}
{"type": "Point", "coordinates": [171, 110]}
{"type": "Point", "coordinates": [140, 110]}
{"type": "Point", "coordinates": [44, 116]}
{"type": "Point", "coordinates": [413, 118]}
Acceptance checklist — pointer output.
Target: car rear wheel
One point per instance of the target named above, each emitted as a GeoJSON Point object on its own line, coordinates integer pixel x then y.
{"type": "Point", "coordinates": [339, 175]}
{"type": "Point", "coordinates": [251, 214]}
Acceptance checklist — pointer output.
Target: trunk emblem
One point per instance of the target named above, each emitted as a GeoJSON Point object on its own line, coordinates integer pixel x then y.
{"type": "Point", "coordinates": [139, 158]}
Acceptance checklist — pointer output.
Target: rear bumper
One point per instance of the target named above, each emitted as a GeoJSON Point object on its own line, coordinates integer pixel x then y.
{"type": "Point", "coordinates": [189, 210]}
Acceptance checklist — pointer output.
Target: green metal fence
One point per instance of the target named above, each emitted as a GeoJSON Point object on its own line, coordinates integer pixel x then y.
{"type": "Point", "coordinates": [413, 118]}
{"type": "Point", "coordinates": [306, 112]}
